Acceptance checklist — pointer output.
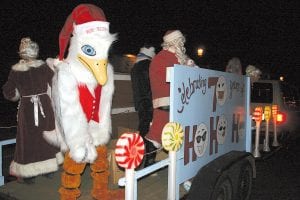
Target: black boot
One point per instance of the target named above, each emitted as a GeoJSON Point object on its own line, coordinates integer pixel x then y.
{"type": "Point", "coordinates": [150, 154]}
{"type": "Point", "coordinates": [49, 175]}
{"type": "Point", "coordinates": [28, 181]}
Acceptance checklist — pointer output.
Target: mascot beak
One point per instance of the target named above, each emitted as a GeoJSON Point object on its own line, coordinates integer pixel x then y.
{"type": "Point", "coordinates": [97, 67]}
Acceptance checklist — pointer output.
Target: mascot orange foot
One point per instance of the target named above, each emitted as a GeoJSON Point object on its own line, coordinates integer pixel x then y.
{"type": "Point", "coordinates": [71, 178]}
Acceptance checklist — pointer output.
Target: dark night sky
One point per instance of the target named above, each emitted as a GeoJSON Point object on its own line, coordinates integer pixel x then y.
{"type": "Point", "coordinates": [262, 33]}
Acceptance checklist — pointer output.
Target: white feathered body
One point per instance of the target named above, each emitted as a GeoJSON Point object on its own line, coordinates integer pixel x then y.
{"type": "Point", "coordinates": [75, 133]}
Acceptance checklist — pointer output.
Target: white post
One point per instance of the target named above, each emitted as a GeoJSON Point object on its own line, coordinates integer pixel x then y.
{"type": "Point", "coordinates": [256, 152]}
{"type": "Point", "coordinates": [129, 189]}
{"type": "Point", "coordinates": [275, 141]}
{"type": "Point", "coordinates": [266, 142]}
{"type": "Point", "coordinates": [172, 176]}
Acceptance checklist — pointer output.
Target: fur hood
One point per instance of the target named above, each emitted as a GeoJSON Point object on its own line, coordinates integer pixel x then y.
{"type": "Point", "coordinates": [24, 65]}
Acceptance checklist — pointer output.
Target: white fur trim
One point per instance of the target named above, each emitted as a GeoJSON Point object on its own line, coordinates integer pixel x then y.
{"type": "Point", "coordinates": [17, 95]}
{"type": "Point", "coordinates": [60, 158]}
{"type": "Point", "coordinates": [172, 36]}
{"type": "Point", "coordinates": [50, 62]}
{"type": "Point", "coordinates": [141, 58]}
{"type": "Point", "coordinates": [25, 66]}
{"type": "Point", "coordinates": [91, 27]}
{"type": "Point", "coordinates": [156, 144]}
{"type": "Point", "coordinates": [33, 169]}
{"type": "Point", "coordinates": [159, 102]}
{"type": "Point", "coordinates": [148, 51]}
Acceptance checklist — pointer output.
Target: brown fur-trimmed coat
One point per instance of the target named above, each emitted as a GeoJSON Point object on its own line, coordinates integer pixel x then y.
{"type": "Point", "coordinates": [33, 155]}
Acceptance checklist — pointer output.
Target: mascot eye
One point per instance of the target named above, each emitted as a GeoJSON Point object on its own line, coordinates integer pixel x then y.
{"type": "Point", "coordinates": [88, 50]}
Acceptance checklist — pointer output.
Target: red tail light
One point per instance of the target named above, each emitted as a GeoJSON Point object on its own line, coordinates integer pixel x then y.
{"type": "Point", "coordinates": [280, 118]}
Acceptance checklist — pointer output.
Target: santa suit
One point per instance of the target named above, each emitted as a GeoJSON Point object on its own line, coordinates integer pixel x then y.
{"type": "Point", "coordinates": [160, 93]}
{"type": "Point", "coordinates": [28, 82]}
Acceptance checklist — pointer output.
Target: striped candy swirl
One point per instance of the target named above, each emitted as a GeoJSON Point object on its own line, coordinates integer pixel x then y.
{"type": "Point", "coordinates": [129, 150]}
{"type": "Point", "coordinates": [172, 136]}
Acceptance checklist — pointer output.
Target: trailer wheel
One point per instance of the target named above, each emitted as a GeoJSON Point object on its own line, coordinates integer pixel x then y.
{"type": "Point", "coordinates": [223, 189]}
{"type": "Point", "coordinates": [245, 182]}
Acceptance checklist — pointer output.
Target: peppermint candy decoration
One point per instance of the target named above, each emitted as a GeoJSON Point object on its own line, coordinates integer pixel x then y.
{"type": "Point", "coordinates": [129, 150]}
{"type": "Point", "coordinates": [257, 114]}
{"type": "Point", "coordinates": [172, 136]}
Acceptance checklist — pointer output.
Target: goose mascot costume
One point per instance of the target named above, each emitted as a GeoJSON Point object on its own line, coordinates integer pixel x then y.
{"type": "Point", "coordinates": [82, 96]}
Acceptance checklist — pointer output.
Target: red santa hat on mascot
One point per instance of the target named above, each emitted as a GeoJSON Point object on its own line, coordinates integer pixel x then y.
{"type": "Point", "coordinates": [84, 19]}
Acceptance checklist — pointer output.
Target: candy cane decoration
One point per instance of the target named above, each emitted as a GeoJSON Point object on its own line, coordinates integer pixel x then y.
{"type": "Point", "coordinates": [274, 115]}
{"type": "Point", "coordinates": [129, 150]}
{"type": "Point", "coordinates": [267, 116]}
{"type": "Point", "coordinates": [172, 136]}
{"type": "Point", "coordinates": [257, 116]}
{"type": "Point", "coordinates": [129, 154]}
{"type": "Point", "coordinates": [172, 139]}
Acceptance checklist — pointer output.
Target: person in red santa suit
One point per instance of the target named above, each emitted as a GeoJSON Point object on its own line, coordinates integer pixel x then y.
{"type": "Point", "coordinates": [173, 52]}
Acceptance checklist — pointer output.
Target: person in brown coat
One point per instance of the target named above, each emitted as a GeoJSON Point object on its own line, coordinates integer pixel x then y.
{"type": "Point", "coordinates": [28, 82]}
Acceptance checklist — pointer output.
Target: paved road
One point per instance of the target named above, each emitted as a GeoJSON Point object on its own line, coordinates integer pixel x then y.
{"type": "Point", "coordinates": [278, 173]}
